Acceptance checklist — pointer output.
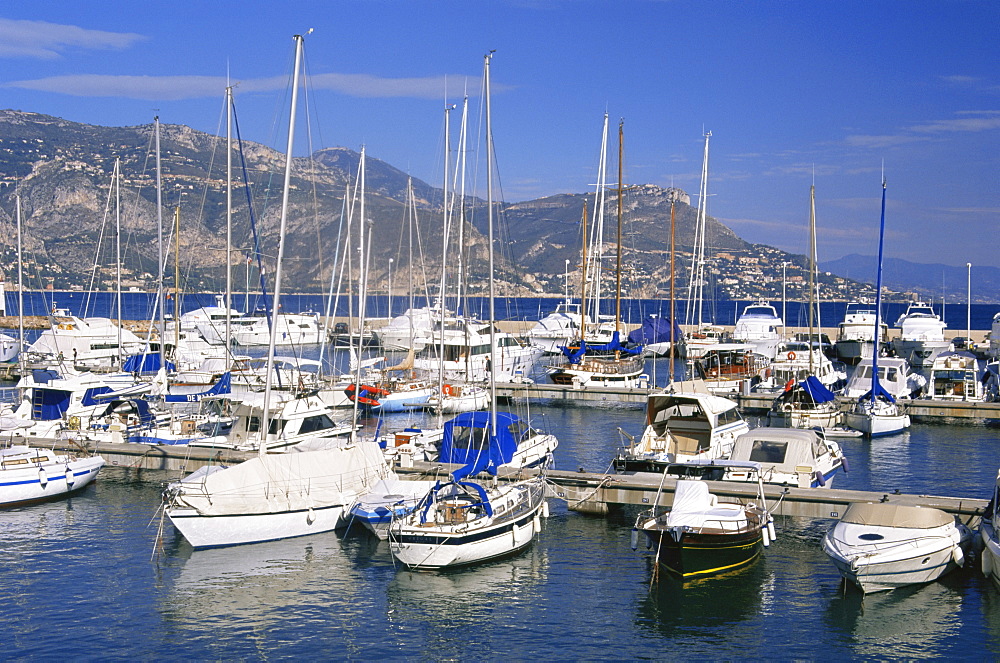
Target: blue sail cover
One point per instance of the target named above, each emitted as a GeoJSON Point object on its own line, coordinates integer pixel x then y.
{"type": "Point", "coordinates": [575, 355]}
{"type": "Point", "coordinates": [819, 394]}
{"type": "Point", "coordinates": [879, 392]}
{"type": "Point", "coordinates": [654, 330]}
{"type": "Point", "coordinates": [469, 442]}
{"type": "Point", "coordinates": [135, 406]}
{"type": "Point", "coordinates": [146, 363]}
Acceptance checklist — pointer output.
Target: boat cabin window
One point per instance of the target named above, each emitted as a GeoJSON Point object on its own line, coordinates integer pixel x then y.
{"type": "Point", "coordinates": [729, 417]}
{"type": "Point", "coordinates": [767, 451]}
{"type": "Point", "coordinates": [662, 412]}
{"type": "Point", "coordinates": [315, 424]}
{"type": "Point", "coordinates": [467, 437]}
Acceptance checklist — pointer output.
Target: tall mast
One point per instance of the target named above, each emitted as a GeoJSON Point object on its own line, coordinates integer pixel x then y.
{"type": "Point", "coordinates": [159, 240]}
{"type": "Point", "coordinates": [20, 291]}
{"type": "Point", "coordinates": [583, 277]}
{"type": "Point", "coordinates": [489, 199]}
{"type": "Point", "coordinates": [596, 249]}
{"type": "Point", "coordinates": [265, 424]}
{"type": "Point", "coordinates": [118, 253]}
{"type": "Point", "coordinates": [673, 323]}
{"type": "Point", "coordinates": [618, 257]}
{"type": "Point", "coordinates": [812, 269]}
{"type": "Point", "coordinates": [696, 284]}
{"type": "Point", "coordinates": [177, 277]}
{"type": "Point", "coordinates": [229, 222]}
{"type": "Point", "coordinates": [878, 296]}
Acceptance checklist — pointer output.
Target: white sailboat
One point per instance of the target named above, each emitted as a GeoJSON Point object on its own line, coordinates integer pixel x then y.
{"type": "Point", "coordinates": [466, 522]}
{"type": "Point", "coordinates": [274, 496]}
{"type": "Point", "coordinates": [877, 412]}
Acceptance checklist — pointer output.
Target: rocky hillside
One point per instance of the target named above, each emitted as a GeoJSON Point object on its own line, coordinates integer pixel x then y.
{"type": "Point", "coordinates": [63, 172]}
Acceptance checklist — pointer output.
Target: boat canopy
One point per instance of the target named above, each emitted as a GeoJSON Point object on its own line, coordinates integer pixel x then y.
{"type": "Point", "coordinates": [575, 354]}
{"type": "Point", "coordinates": [878, 391]}
{"type": "Point", "coordinates": [780, 448]}
{"type": "Point", "coordinates": [146, 363]}
{"type": "Point", "coordinates": [809, 390]}
{"type": "Point", "coordinates": [883, 514]}
{"type": "Point", "coordinates": [469, 442]}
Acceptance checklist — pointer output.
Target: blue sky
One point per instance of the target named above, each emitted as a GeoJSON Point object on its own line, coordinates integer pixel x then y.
{"type": "Point", "coordinates": [793, 92]}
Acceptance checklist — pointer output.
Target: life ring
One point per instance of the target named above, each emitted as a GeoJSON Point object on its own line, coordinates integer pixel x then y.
{"type": "Point", "coordinates": [446, 390]}
{"type": "Point", "coordinates": [791, 355]}
{"type": "Point", "coordinates": [787, 407]}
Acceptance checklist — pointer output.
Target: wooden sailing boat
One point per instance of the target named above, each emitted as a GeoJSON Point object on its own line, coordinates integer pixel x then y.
{"type": "Point", "coordinates": [877, 412]}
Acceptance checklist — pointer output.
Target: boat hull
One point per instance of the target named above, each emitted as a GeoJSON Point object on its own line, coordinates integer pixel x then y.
{"type": "Point", "coordinates": [203, 531]}
{"type": "Point", "coordinates": [428, 546]}
{"type": "Point", "coordinates": [19, 487]}
{"type": "Point", "coordinates": [694, 554]}
{"type": "Point", "coordinates": [877, 425]}
{"type": "Point", "coordinates": [880, 577]}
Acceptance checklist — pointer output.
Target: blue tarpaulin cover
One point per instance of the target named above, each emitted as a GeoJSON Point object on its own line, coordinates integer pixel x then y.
{"type": "Point", "coordinates": [654, 330]}
{"type": "Point", "coordinates": [469, 442]}
{"type": "Point", "coordinates": [146, 363]}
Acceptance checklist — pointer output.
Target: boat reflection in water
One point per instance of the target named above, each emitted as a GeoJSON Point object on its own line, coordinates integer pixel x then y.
{"type": "Point", "coordinates": [907, 623]}
{"type": "Point", "coordinates": [675, 608]}
{"type": "Point", "coordinates": [261, 583]}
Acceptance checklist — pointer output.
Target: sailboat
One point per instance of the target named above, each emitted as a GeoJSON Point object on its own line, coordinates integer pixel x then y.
{"type": "Point", "coordinates": [809, 402]}
{"type": "Point", "coordinates": [274, 496]}
{"type": "Point", "coordinates": [877, 412]}
{"type": "Point", "coordinates": [608, 364]}
{"type": "Point", "coordinates": [461, 521]}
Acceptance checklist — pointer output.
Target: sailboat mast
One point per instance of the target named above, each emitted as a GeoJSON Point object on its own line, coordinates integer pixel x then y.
{"type": "Point", "coordinates": [159, 238]}
{"type": "Point", "coordinates": [696, 282]}
{"type": "Point", "coordinates": [489, 199]}
{"type": "Point", "coordinates": [618, 256]}
{"type": "Point", "coordinates": [583, 278]}
{"type": "Point", "coordinates": [878, 296]}
{"type": "Point", "coordinates": [673, 324]}
{"type": "Point", "coordinates": [177, 277]}
{"type": "Point", "coordinates": [812, 270]}
{"type": "Point", "coordinates": [265, 424]}
{"type": "Point", "coordinates": [20, 292]}
{"type": "Point", "coordinates": [229, 223]}
{"type": "Point", "coordinates": [118, 253]}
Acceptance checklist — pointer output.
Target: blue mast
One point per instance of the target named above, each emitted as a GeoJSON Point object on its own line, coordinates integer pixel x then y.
{"type": "Point", "coordinates": [878, 298]}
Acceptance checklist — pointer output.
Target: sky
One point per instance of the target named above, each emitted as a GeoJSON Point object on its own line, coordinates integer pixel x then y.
{"type": "Point", "coordinates": [826, 92]}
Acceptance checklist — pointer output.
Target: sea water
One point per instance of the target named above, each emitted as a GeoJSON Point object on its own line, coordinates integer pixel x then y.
{"type": "Point", "coordinates": [85, 578]}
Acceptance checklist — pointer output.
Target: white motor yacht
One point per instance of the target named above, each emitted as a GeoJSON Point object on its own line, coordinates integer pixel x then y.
{"type": "Point", "coordinates": [921, 335]}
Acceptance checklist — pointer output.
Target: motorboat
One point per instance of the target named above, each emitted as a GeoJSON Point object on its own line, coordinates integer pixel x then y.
{"type": "Point", "coordinates": [9, 348]}
{"type": "Point", "coordinates": [894, 376]}
{"type": "Point", "coordinates": [390, 499]}
{"type": "Point", "coordinates": [806, 404]}
{"type": "Point", "coordinates": [956, 376]}
{"type": "Point", "coordinates": [412, 330]}
{"type": "Point", "coordinates": [758, 326]}
{"type": "Point", "coordinates": [989, 532]}
{"type": "Point", "coordinates": [704, 337]}
{"type": "Point", "coordinates": [682, 426]}
{"type": "Point", "coordinates": [89, 343]}
{"type": "Point", "coordinates": [856, 334]}
{"type": "Point", "coordinates": [456, 398]}
{"type": "Point", "coordinates": [921, 335]}
{"type": "Point", "coordinates": [292, 329]}
{"type": "Point", "coordinates": [560, 328]}
{"type": "Point", "coordinates": [881, 546]}
{"type": "Point", "coordinates": [788, 457]}
{"type": "Point", "coordinates": [29, 474]}
{"type": "Point", "coordinates": [461, 351]}
{"type": "Point", "coordinates": [703, 534]}
{"type": "Point", "coordinates": [730, 368]}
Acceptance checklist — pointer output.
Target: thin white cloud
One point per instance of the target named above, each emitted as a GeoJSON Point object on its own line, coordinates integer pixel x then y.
{"type": "Point", "coordinates": [173, 88]}
{"type": "Point", "coordinates": [47, 41]}
{"type": "Point", "coordinates": [964, 122]}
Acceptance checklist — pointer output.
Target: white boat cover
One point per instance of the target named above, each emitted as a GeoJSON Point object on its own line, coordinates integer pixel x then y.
{"type": "Point", "coordinates": [277, 483]}
{"type": "Point", "coordinates": [695, 507]}
{"type": "Point", "coordinates": [895, 515]}
{"type": "Point", "coordinates": [782, 449]}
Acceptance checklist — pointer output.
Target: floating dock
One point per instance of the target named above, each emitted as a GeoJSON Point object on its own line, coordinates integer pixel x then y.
{"type": "Point", "coordinates": [586, 492]}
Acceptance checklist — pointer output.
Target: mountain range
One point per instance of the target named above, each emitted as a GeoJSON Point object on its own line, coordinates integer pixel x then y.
{"type": "Point", "coordinates": [63, 172]}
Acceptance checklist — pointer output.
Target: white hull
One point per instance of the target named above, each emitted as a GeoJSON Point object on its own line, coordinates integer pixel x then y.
{"type": "Point", "coordinates": [37, 483]}
{"type": "Point", "coordinates": [439, 545]}
{"type": "Point", "coordinates": [215, 531]}
{"type": "Point", "coordinates": [891, 546]}
{"type": "Point", "coordinates": [874, 424]}
{"type": "Point", "coordinates": [991, 552]}
{"type": "Point", "coordinates": [920, 353]}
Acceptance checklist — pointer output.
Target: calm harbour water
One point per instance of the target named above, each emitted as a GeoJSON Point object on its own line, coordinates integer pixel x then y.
{"type": "Point", "coordinates": [80, 580]}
